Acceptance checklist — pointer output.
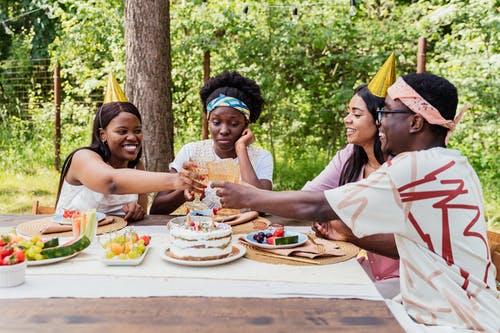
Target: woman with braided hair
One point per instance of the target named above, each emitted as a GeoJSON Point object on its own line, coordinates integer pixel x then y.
{"type": "Point", "coordinates": [108, 175]}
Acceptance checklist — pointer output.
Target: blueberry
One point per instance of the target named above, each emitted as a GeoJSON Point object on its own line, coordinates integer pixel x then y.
{"type": "Point", "coordinates": [269, 234]}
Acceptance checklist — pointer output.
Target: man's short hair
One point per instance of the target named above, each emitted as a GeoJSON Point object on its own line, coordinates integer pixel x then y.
{"type": "Point", "coordinates": [439, 92]}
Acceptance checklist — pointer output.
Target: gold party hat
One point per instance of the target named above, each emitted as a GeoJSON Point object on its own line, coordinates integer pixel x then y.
{"type": "Point", "coordinates": [385, 77]}
{"type": "Point", "coordinates": [113, 91]}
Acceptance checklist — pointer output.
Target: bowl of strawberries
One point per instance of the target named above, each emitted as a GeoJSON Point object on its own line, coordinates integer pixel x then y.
{"type": "Point", "coordinates": [12, 262]}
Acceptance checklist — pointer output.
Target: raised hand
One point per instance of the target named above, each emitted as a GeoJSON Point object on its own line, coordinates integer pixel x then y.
{"type": "Point", "coordinates": [188, 195]}
{"type": "Point", "coordinates": [232, 195]}
{"type": "Point", "coordinates": [190, 179]}
{"type": "Point", "coordinates": [247, 138]}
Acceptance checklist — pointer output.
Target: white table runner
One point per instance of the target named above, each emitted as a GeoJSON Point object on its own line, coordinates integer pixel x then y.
{"type": "Point", "coordinates": [85, 276]}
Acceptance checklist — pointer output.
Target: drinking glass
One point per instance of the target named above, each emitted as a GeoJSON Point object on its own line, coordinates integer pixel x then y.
{"type": "Point", "coordinates": [76, 224]}
{"type": "Point", "coordinates": [197, 204]}
{"type": "Point", "coordinates": [90, 224]}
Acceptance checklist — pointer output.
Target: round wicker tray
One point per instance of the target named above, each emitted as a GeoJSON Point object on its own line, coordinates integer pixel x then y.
{"type": "Point", "coordinates": [32, 228]}
{"type": "Point", "coordinates": [349, 249]}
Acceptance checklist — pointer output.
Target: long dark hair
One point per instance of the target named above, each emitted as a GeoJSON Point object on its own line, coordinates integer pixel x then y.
{"type": "Point", "coordinates": [354, 164]}
{"type": "Point", "coordinates": [103, 116]}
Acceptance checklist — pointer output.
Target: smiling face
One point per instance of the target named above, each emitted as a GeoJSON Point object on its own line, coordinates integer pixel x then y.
{"type": "Point", "coordinates": [124, 138]}
{"type": "Point", "coordinates": [360, 125]}
{"type": "Point", "coordinates": [394, 129]}
{"type": "Point", "coordinates": [226, 125]}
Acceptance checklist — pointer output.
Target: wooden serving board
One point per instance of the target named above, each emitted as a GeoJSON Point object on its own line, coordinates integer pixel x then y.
{"type": "Point", "coordinates": [236, 219]}
{"type": "Point", "coordinates": [259, 223]}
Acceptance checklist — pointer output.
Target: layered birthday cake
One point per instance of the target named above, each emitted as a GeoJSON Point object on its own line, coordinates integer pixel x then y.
{"type": "Point", "coordinates": [200, 238]}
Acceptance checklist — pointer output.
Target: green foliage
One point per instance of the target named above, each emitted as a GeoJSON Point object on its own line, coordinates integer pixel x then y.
{"type": "Point", "coordinates": [89, 44]}
{"type": "Point", "coordinates": [20, 19]}
{"type": "Point", "coordinates": [295, 169]}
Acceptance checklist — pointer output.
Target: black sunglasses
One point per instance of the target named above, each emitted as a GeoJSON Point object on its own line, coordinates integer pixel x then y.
{"type": "Point", "coordinates": [381, 112]}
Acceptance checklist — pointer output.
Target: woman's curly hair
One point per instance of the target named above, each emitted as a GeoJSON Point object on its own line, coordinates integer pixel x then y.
{"type": "Point", "coordinates": [235, 85]}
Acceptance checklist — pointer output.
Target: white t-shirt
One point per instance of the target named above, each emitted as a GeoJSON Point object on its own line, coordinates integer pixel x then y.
{"type": "Point", "coordinates": [432, 201]}
{"type": "Point", "coordinates": [203, 151]}
{"type": "Point", "coordinates": [80, 197]}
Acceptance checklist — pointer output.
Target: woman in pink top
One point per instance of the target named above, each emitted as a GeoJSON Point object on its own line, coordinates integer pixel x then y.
{"type": "Point", "coordinates": [356, 161]}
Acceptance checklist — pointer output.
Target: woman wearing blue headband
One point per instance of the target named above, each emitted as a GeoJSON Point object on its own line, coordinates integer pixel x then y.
{"type": "Point", "coordinates": [231, 102]}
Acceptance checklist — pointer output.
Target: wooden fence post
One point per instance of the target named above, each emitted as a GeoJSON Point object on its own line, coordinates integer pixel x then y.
{"type": "Point", "coordinates": [206, 77]}
{"type": "Point", "coordinates": [57, 119]}
{"type": "Point", "coordinates": [421, 55]}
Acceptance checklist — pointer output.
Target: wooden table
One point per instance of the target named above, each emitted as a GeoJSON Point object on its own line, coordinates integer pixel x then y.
{"type": "Point", "coordinates": [190, 314]}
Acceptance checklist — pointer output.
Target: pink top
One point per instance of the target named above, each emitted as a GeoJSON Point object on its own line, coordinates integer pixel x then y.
{"type": "Point", "coordinates": [381, 267]}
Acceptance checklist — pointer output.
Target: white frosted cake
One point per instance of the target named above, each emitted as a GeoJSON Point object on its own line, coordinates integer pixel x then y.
{"type": "Point", "coordinates": [200, 239]}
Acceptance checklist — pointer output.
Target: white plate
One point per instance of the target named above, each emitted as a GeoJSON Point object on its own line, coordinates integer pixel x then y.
{"type": "Point", "coordinates": [176, 220]}
{"type": "Point", "coordinates": [205, 212]}
{"type": "Point", "coordinates": [181, 220]}
{"type": "Point", "coordinates": [302, 240]}
{"type": "Point", "coordinates": [125, 262]}
{"type": "Point", "coordinates": [50, 261]}
{"type": "Point", "coordinates": [59, 219]}
{"type": "Point", "coordinates": [241, 252]}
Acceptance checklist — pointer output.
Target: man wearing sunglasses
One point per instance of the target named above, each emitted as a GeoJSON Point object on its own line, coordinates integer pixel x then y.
{"type": "Point", "coordinates": [428, 196]}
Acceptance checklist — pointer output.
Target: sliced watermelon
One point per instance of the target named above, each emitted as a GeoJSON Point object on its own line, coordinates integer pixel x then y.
{"type": "Point", "coordinates": [286, 240]}
{"type": "Point", "coordinates": [75, 245]}
{"type": "Point", "coordinates": [51, 243]}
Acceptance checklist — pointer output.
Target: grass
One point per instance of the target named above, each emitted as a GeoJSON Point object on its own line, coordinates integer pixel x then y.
{"type": "Point", "coordinates": [19, 190]}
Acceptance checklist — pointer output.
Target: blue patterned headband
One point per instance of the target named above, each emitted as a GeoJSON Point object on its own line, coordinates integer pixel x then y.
{"type": "Point", "coordinates": [232, 102]}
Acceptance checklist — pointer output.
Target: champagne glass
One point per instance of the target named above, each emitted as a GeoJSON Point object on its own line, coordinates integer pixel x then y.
{"type": "Point", "coordinates": [196, 204]}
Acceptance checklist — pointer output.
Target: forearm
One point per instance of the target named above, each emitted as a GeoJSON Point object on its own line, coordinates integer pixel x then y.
{"type": "Point", "coordinates": [126, 181]}
{"type": "Point", "coordinates": [167, 201]}
{"type": "Point", "coordinates": [383, 244]}
{"type": "Point", "coordinates": [292, 204]}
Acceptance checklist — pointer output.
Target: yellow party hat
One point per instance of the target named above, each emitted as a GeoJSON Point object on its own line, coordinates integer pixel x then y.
{"type": "Point", "coordinates": [384, 78]}
{"type": "Point", "coordinates": [113, 91]}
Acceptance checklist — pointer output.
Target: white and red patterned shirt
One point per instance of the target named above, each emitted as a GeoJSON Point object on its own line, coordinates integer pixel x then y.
{"type": "Point", "coordinates": [432, 201]}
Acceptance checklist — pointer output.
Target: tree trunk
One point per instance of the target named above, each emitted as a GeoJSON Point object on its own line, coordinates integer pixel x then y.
{"type": "Point", "coordinates": [206, 77]}
{"type": "Point", "coordinates": [421, 55]}
{"type": "Point", "coordinates": [148, 77]}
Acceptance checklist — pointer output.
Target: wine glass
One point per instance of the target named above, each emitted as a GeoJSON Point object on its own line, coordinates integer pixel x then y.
{"type": "Point", "coordinates": [196, 204]}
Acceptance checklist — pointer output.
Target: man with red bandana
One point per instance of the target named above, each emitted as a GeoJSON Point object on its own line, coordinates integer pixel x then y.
{"type": "Point", "coordinates": [428, 196]}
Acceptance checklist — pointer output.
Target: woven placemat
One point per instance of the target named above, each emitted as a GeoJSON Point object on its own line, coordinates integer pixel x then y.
{"type": "Point", "coordinates": [32, 228]}
{"type": "Point", "coordinates": [260, 223]}
{"type": "Point", "coordinates": [349, 249]}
